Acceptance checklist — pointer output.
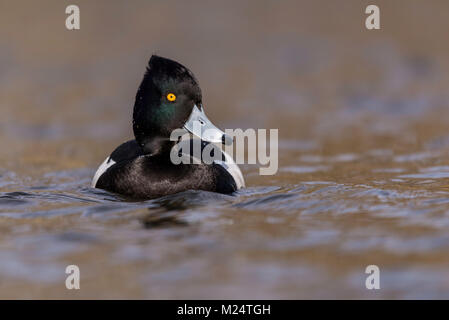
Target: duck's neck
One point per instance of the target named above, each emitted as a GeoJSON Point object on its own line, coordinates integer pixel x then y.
{"type": "Point", "coordinates": [157, 147]}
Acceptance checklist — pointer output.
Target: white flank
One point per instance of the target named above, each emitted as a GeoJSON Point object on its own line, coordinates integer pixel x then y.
{"type": "Point", "coordinates": [102, 169]}
{"type": "Point", "coordinates": [233, 170]}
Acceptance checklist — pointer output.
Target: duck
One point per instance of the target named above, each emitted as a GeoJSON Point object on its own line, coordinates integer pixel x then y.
{"type": "Point", "coordinates": [168, 98]}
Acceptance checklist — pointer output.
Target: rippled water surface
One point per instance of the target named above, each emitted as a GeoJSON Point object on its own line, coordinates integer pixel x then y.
{"type": "Point", "coordinates": [363, 151]}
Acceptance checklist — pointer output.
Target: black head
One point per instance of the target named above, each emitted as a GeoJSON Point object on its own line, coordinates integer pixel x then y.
{"type": "Point", "coordinates": [164, 102]}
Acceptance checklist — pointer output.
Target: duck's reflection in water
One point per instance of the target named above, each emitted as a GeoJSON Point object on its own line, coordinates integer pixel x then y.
{"type": "Point", "coordinates": [169, 210]}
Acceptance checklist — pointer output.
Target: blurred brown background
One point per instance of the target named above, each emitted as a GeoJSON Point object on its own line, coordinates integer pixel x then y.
{"type": "Point", "coordinates": [292, 65]}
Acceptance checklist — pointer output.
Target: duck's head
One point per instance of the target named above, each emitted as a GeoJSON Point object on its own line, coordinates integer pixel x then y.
{"type": "Point", "coordinates": [169, 98]}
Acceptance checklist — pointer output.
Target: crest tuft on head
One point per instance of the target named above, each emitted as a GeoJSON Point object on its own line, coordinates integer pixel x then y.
{"type": "Point", "coordinates": [165, 68]}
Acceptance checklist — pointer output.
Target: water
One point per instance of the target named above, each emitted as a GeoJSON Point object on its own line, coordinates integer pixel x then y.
{"type": "Point", "coordinates": [364, 152]}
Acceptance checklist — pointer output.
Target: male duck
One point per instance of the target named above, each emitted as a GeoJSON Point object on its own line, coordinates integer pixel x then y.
{"type": "Point", "coordinates": [168, 98]}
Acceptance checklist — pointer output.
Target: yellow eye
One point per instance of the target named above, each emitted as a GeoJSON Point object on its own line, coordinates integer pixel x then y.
{"type": "Point", "coordinates": [171, 97]}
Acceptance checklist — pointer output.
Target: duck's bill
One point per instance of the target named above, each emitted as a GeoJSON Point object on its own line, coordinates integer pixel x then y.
{"type": "Point", "coordinates": [200, 126]}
